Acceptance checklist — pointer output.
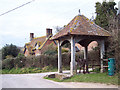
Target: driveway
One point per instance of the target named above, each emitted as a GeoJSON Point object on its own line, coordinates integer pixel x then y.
{"type": "Point", "coordinates": [37, 81]}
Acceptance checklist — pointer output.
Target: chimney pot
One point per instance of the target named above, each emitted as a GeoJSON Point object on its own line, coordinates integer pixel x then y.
{"type": "Point", "coordinates": [48, 32]}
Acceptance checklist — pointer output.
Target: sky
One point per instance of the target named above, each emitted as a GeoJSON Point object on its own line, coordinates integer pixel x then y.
{"type": "Point", "coordinates": [16, 26]}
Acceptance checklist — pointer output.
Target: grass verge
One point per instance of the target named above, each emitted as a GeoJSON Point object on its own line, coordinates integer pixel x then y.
{"type": "Point", "coordinates": [27, 70]}
{"type": "Point", "coordinates": [30, 70]}
{"type": "Point", "coordinates": [93, 77]}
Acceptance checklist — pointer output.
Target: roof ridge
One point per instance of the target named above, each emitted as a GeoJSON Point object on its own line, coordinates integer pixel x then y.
{"type": "Point", "coordinates": [39, 37]}
{"type": "Point", "coordinates": [74, 23]}
{"type": "Point", "coordinates": [44, 42]}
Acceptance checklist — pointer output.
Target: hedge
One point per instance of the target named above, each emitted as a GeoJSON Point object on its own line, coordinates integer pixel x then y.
{"type": "Point", "coordinates": [44, 60]}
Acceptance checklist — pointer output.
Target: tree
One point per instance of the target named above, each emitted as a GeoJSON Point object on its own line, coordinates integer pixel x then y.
{"type": "Point", "coordinates": [10, 50]}
{"type": "Point", "coordinates": [58, 28]}
{"type": "Point", "coordinates": [108, 19]}
{"type": "Point", "coordinates": [104, 11]}
{"type": "Point", "coordinates": [113, 49]}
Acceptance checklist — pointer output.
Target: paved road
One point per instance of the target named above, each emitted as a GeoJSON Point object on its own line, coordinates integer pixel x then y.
{"type": "Point", "coordinates": [28, 81]}
{"type": "Point", "coordinates": [37, 81]}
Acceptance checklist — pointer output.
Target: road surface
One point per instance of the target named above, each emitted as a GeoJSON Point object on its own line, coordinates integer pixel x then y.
{"type": "Point", "coordinates": [37, 81]}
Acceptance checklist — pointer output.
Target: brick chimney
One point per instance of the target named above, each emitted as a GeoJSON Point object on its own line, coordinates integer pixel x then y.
{"type": "Point", "coordinates": [31, 36]}
{"type": "Point", "coordinates": [48, 32]}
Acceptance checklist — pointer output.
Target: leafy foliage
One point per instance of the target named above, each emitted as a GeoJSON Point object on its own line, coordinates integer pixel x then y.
{"type": "Point", "coordinates": [10, 50]}
{"type": "Point", "coordinates": [104, 11]}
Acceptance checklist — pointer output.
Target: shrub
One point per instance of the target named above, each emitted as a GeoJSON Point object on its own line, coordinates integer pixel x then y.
{"type": "Point", "coordinates": [9, 56]}
{"type": "Point", "coordinates": [20, 55]}
{"type": "Point", "coordinates": [44, 60]}
{"type": "Point", "coordinates": [0, 64]}
{"type": "Point", "coordinates": [97, 70]}
{"type": "Point", "coordinates": [94, 57]}
{"type": "Point", "coordinates": [50, 52]}
{"type": "Point", "coordinates": [46, 68]}
{"type": "Point", "coordinates": [66, 59]}
{"type": "Point", "coordinates": [79, 55]}
{"type": "Point", "coordinates": [7, 64]}
{"type": "Point", "coordinates": [50, 49]}
{"type": "Point", "coordinates": [19, 62]}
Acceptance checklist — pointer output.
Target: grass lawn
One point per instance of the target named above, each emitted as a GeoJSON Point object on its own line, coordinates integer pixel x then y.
{"type": "Point", "coordinates": [93, 77]}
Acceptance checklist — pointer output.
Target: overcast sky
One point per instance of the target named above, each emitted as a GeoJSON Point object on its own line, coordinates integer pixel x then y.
{"type": "Point", "coordinates": [35, 17]}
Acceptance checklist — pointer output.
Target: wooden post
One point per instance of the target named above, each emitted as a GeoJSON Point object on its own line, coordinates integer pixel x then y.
{"type": "Point", "coordinates": [73, 63]}
{"type": "Point", "coordinates": [102, 53]}
{"type": "Point", "coordinates": [59, 58]}
{"type": "Point", "coordinates": [85, 52]}
{"type": "Point", "coordinates": [86, 57]}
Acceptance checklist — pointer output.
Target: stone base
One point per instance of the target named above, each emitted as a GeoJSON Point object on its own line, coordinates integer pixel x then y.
{"type": "Point", "coordinates": [58, 76]}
